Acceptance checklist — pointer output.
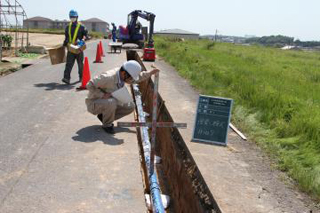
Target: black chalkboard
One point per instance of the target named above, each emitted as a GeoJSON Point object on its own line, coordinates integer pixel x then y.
{"type": "Point", "coordinates": [212, 120]}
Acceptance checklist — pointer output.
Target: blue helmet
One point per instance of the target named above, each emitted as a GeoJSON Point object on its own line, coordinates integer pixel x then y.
{"type": "Point", "coordinates": [73, 13]}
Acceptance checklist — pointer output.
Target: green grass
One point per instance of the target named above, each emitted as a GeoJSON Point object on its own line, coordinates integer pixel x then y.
{"type": "Point", "coordinates": [276, 95]}
{"type": "Point", "coordinates": [28, 55]}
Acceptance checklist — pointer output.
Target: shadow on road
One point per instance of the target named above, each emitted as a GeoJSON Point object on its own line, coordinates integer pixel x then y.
{"type": "Point", "coordinates": [56, 86]}
{"type": "Point", "coordinates": [121, 129]}
{"type": "Point", "coordinates": [95, 133]}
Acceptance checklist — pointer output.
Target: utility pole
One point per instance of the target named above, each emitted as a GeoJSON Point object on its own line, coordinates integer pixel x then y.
{"type": "Point", "coordinates": [215, 36]}
{"type": "Point", "coordinates": [0, 34]}
{"type": "Point", "coordinates": [16, 31]}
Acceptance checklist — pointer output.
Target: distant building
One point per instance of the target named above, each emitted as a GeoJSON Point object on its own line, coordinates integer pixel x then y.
{"type": "Point", "coordinates": [57, 24]}
{"type": "Point", "coordinates": [177, 33]}
{"type": "Point", "coordinates": [96, 25]}
{"type": "Point", "coordinates": [225, 38]}
{"type": "Point", "coordinates": [250, 36]}
{"type": "Point", "coordinates": [38, 22]}
{"type": "Point", "coordinates": [289, 47]}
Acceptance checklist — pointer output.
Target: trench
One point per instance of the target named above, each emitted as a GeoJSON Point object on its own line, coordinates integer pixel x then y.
{"type": "Point", "coordinates": [8, 70]}
{"type": "Point", "coordinates": [178, 175]}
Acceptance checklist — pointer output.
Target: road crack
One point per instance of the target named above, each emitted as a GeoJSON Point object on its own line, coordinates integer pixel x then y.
{"type": "Point", "coordinates": [24, 171]}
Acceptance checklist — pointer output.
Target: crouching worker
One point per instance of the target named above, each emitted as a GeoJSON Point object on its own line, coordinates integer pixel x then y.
{"type": "Point", "coordinates": [100, 101]}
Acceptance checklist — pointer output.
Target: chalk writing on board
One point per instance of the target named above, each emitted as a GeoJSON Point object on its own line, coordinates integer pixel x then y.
{"type": "Point", "coordinates": [208, 122]}
{"type": "Point", "coordinates": [212, 120]}
{"type": "Point", "coordinates": [206, 132]}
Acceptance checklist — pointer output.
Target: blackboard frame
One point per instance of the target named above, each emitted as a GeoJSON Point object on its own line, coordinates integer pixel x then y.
{"type": "Point", "coordinates": [222, 143]}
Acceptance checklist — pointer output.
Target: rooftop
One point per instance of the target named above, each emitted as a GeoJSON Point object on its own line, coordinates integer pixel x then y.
{"type": "Point", "coordinates": [95, 20]}
{"type": "Point", "coordinates": [177, 31]}
{"type": "Point", "coordinates": [38, 18]}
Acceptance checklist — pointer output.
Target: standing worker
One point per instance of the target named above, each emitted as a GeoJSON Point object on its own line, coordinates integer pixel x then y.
{"type": "Point", "coordinates": [100, 101]}
{"type": "Point", "coordinates": [75, 33]}
{"type": "Point", "coordinates": [114, 32]}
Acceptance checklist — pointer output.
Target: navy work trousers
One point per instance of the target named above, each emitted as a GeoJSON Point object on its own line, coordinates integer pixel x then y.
{"type": "Point", "coordinates": [71, 57]}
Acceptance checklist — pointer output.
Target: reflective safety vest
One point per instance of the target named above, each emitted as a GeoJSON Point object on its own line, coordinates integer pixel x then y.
{"type": "Point", "coordinates": [73, 40]}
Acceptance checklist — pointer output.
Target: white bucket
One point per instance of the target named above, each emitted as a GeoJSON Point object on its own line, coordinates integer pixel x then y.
{"type": "Point", "coordinates": [122, 95]}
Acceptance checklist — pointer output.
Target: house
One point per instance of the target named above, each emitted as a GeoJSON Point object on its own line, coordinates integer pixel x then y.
{"type": "Point", "coordinates": [96, 25]}
{"type": "Point", "coordinates": [92, 24]}
{"type": "Point", "coordinates": [38, 22]}
{"type": "Point", "coordinates": [57, 24]}
{"type": "Point", "coordinates": [177, 33]}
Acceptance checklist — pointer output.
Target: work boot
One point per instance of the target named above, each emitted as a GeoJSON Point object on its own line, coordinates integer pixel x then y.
{"type": "Point", "coordinates": [66, 81]}
{"type": "Point", "coordinates": [100, 117]}
{"type": "Point", "coordinates": [109, 129]}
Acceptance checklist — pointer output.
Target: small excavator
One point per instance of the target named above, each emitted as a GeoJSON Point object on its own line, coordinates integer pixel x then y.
{"type": "Point", "coordinates": [132, 33]}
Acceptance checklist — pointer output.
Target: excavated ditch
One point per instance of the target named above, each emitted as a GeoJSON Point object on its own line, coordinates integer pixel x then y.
{"type": "Point", "coordinates": [178, 174]}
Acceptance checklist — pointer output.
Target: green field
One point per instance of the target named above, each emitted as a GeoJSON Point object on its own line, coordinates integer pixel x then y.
{"type": "Point", "coordinates": [276, 97]}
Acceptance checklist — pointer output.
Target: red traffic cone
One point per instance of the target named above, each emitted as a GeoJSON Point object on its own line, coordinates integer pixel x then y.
{"type": "Point", "coordinates": [85, 75]}
{"type": "Point", "coordinates": [101, 49]}
{"type": "Point", "coordinates": [98, 55]}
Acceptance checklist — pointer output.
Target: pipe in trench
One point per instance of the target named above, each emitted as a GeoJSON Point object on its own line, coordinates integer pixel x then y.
{"type": "Point", "coordinates": [153, 182]}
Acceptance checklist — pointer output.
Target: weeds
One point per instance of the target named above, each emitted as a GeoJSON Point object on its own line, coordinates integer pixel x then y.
{"type": "Point", "coordinates": [276, 93]}
{"type": "Point", "coordinates": [210, 45]}
{"type": "Point", "coordinates": [28, 55]}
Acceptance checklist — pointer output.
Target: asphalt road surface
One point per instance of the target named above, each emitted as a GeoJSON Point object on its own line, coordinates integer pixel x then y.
{"type": "Point", "coordinates": [54, 156]}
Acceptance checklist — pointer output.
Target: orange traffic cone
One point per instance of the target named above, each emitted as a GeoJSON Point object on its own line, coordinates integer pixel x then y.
{"type": "Point", "coordinates": [98, 55]}
{"type": "Point", "coordinates": [85, 75]}
{"type": "Point", "coordinates": [101, 49]}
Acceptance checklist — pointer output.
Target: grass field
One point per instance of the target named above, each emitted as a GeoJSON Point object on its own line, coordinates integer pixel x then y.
{"type": "Point", "coordinates": [276, 97]}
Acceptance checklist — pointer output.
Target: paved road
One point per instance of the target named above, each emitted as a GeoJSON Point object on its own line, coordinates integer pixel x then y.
{"type": "Point", "coordinates": [54, 157]}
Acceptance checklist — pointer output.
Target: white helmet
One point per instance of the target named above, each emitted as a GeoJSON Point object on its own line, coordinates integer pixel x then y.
{"type": "Point", "coordinates": [133, 68]}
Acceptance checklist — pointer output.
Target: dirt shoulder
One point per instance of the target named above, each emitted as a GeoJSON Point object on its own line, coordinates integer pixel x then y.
{"type": "Point", "coordinates": [41, 39]}
{"type": "Point", "coordinates": [47, 40]}
{"type": "Point", "coordinates": [10, 63]}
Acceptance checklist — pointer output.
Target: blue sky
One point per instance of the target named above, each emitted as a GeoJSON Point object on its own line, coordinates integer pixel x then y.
{"type": "Point", "coordinates": [296, 18]}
